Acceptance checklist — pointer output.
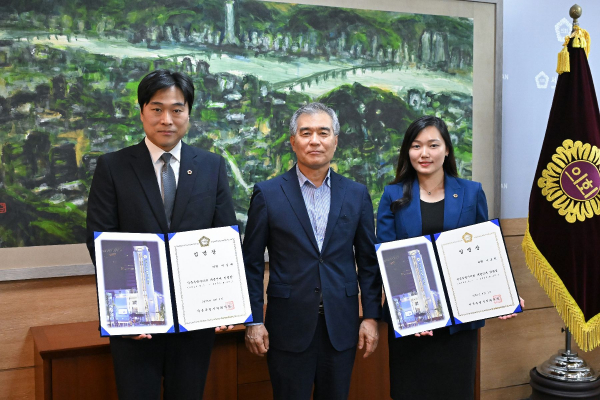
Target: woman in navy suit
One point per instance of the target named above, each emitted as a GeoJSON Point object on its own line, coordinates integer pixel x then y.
{"type": "Point", "coordinates": [426, 197]}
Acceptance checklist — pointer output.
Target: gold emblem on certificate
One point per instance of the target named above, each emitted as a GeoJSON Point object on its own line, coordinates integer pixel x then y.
{"type": "Point", "coordinates": [204, 241]}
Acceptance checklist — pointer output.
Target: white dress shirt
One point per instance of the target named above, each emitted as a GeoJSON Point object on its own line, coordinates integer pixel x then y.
{"type": "Point", "coordinates": [156, 152]}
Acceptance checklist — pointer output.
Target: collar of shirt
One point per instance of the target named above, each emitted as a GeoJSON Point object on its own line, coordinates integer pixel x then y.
{"type": "Point", "coordinates": [156, 152]}
{"type": "Point", "coordinates": [157, 163]}
{"type": "Point", "coordinates": [303, 179]}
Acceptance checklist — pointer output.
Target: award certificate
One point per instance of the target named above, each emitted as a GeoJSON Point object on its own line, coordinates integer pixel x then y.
{"type": "Point", "coordinates": [209, 278]}
{"type": "Point", "coordinates": [477, 272]}
{"type": "Point", "coordinates": [133, 284]}
{"type": "Point", "coordinates": [413, 286]}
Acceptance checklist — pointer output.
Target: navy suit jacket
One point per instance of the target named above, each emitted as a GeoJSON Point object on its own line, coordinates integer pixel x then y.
{"type": "Point", "coordinates": [299, 272]}
{"type": "Point", "coordinates": [125, 196]}
{"type": "Point", "coordinates": [464, 204]}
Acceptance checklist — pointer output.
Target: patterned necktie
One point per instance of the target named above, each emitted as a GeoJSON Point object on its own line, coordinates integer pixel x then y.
{"type": "Point", "coordinates": [168, 185]}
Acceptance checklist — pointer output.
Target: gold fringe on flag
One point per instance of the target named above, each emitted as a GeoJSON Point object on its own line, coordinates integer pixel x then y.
{"type": "Point", "coordinates": [586, 334]}
{"type": "Point", "coordinates": [581, 40]}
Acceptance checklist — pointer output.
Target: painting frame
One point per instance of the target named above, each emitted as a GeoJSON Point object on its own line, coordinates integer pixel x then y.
{"type": "Point", "coordinates": [51, 261]}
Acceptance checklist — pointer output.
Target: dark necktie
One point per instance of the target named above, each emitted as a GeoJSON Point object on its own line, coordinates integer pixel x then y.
{"type": "Point", "coordinates": [168, 185]}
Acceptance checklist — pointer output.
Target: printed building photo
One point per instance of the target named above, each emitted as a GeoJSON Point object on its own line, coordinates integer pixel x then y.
{"type": "Point", "coordinates": [415, 294]}
{"type": "Point", "coordinates": [133, 285]}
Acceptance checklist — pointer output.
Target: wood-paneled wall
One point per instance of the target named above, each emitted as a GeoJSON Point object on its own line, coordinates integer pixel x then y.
{"type": "Point", "coordinates": [509, 349]}
{"type": "Point", "coordinates": [24, 304]}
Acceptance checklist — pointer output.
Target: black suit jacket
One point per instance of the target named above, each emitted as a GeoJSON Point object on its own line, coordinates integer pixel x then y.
{"type": "Point", "coordinates": [125, 196]}
{"type": "Point", "coordinates": [298, 271]}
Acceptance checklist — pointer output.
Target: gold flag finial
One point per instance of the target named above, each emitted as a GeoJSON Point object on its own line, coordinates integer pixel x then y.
{"type": "Point", "coordinates": [575, 13]}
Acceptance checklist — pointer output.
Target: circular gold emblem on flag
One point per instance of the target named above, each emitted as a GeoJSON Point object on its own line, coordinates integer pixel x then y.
{"type": "Point", "coordinates": [571, 181]}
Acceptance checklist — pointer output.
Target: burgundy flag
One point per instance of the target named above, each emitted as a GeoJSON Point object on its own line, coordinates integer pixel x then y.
{"type": "Point", "coordinates": [562, 241]}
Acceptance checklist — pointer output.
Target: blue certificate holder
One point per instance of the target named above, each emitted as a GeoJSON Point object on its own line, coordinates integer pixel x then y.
{"type": "Point", "coordinates": [413, 285]}
{"type": "Point", "coordinates": [132, 277]}
{"type": "Point", "coordinates": [133, 284]}
{"type": "Point", "coordinates": [469, 266]}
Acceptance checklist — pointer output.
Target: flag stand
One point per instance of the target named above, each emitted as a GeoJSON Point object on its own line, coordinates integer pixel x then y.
{"type": "Point", "coordinates": [564, 376]}
{"type": "Point", "coordinates": [559, 213]}
{"type": "Point", "coordinates": [567, 366]}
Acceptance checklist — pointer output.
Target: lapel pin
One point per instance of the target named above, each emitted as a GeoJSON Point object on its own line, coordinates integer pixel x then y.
{"type": "Point", "coordinates": [189, 171]}
{"type": "Point", "coordinates": [455, 195]}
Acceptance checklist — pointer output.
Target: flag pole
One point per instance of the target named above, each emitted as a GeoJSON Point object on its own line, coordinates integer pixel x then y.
{"type": "Point", "coordinates": [564, 375]}
{"type": "Point", "coordinates": [566, 365]}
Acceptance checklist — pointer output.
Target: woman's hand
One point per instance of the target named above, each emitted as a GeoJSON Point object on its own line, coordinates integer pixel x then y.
{"type": "Point", "coordinates": [424, 333]}
{"type": "Point", "coordinates": [139, 337]}
{"type": "Point", "coordinates": [522, 302]}
{"type": "Point", "coordinates": [223, 328]}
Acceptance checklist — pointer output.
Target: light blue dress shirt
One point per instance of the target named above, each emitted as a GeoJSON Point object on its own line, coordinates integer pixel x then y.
{"type": "Point", "coordinates": [317, 201]}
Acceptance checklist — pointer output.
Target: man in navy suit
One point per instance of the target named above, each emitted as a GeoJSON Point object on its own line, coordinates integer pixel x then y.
{"type": "Point", "coordinates": [318, 228]}
{"type": "Point", "coordinates": [127, 195]}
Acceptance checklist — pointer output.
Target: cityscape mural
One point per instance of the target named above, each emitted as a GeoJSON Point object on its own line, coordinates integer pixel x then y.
{"type": "Point", "coordinates": [69, 71]}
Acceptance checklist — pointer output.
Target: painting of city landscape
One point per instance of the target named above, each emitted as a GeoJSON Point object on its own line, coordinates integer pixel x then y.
{"type": "Point", "coordinates": [69, 71]}
{"type": "Point", "coordinates": [414, 286]}
{"type": "Point", "coordinates": [133, 288]}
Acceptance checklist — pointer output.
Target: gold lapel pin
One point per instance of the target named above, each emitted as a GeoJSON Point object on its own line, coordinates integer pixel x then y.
{"type": "Point", "coordinates": [189, 171]}
{"type": "Point", "coordinates": [455, 195]}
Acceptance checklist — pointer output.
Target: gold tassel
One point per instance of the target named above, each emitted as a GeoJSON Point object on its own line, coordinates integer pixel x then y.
{"type": "Point", "coordinates": [589, 43]}
{"type": "Point", "coordinates": [581, 40]}
{"type": "Point", "coordinates": [564, 63]}
{"type": "Point", "coordinates": [586, 334]}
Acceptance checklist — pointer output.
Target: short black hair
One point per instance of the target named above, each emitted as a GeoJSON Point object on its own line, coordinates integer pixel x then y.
{"type": "Point", "coordinates": [163, 78]}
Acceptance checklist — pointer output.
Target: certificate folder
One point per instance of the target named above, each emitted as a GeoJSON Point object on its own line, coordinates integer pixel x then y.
{"type": "Point", "coordinates": [133, 281]}
{"type": "Point", "coordinates": [449, 278]}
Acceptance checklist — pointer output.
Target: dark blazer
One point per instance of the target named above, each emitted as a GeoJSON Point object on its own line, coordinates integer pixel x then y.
{"type": "Point", "coordinates": [464, 204]}
{"type": "Point", "coordinates": [298, 272]}
{"type": "Point", "coordinates": [125, 196]}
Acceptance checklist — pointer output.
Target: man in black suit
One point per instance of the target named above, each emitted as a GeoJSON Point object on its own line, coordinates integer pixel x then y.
{"type": "Point", "coordinates": [160, 185]}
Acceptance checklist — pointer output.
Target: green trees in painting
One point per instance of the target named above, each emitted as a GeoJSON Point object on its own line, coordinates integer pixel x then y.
{"type": "Point", "coordinates": [69, 71]}
{"type": "Point", "coordinates": [437, 42]}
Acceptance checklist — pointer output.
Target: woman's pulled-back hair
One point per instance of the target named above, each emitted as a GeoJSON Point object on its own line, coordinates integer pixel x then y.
{"type": "Point", "coordinates": [405, 172]}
